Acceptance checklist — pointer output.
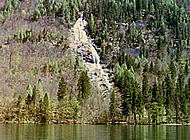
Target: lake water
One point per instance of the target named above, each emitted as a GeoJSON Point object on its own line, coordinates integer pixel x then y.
{"type": "Point", "coordinates": [93, 132]}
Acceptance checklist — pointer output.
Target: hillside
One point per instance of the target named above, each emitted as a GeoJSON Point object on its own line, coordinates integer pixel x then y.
{"type": "Point", "coordinates": [128, 62]}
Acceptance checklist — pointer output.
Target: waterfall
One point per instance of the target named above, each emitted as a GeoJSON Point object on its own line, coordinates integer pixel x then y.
{"type": "Point", "coordinates": [80, 35]}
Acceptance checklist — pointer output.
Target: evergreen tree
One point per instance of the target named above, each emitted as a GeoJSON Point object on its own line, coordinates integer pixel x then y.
{"type": "Point", "coordinates": [155, 112]}
{"type": "Point", "coordinates": [151, 67]}
{"type": "Point", "coordinates": [19, 100]}
{"type": "Point", "coordinates": [135, 99]}
{"type": "Point", "coordinates": [39, 89]}
{"type": "Point", "coordinates": [61, 89]}
{"type": "Point", "coordinates": [75, 108]}
{"type": "Point", "coordinates": [168, 86]}
{"type": "Point", "coordinates": [177, 102]}
{"type": "Point", "coordinates": [183, 103]}
{"type": "Point", "coordinates": [155, 93]}
{"type": "Point", "coordinates": [83, 86]}
{"type": "Point", "coordinates": [46, 101]}
{"type": "Point", "coordinates": [28, 100]}
{"type": "Point", "coordinates": [125, 89]}
{"type": "Point", "coordinates": [172, 69]}
{"type": "Point", "coordinates": [139, 5]}
{"type": "Point", "coordinates": [140, 106]}
{"type": "Point", "coordinates": [19, 105]}
{"type": "Point", "coordinates": [34, 95]}
{"type": "Point", "coordinates": [156, 102]}
{"type": "Point", "coordinates": [91, 24]}
{"type": "Point", "coordinates": [45, 109]}
{"type": "Point", "coordinates": [188, 87]}
{"type": "Point", "coordinates": [29, 89]}
{"type": "Point", "coordinates": [145, 83]}
{"type": "Point", "coordinates": [186, 67]}
{"type": "Point", "coordinates": [112, 106]}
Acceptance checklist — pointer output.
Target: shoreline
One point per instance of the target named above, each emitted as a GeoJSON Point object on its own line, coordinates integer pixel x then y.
{"type": "Point", "coordinates": [101, 123]}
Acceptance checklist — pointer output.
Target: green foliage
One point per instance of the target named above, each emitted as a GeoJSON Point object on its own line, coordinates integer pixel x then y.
{"type": "Point", "coordinates": [83, 86]}
{"type": "Point", "coordinates": [139, 5]}
{"type": "Point", "coordinates": [91, 24]}
{"type": "Point", "coordinates": [29, 89]}
{"type": "Point", "coordinates": [155, 111]}
{"type": "Point", "coordinates": [61, 89]}
{"type": "Point", "coordinates": [8, 7]}
{"type": "Point", "coordinates": [19, 100]}
{"type": "Point", "coordinates": [34, 95]}
{"type": "Point", "coordinates": [39, 88]}
{"type": "Point", "coordinates": [1, 17]}
{"type": "Point", "coordinates": [112, 106]}
{"type": "Point", "coordinates": [168, 86]}
{"type": "Point", "coordinates": [28, 100]}
{"type": "Point", "coordinates": [130, 34]}
{"type": "Point", "coordinates": [23, 13]}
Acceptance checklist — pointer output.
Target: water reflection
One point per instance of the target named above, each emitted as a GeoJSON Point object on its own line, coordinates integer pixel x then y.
{"type": "Point", "coordinates": [92, 132]}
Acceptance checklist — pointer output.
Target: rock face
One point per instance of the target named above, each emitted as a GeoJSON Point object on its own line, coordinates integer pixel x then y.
{"type": "Point", "coordinates": [85, 48]}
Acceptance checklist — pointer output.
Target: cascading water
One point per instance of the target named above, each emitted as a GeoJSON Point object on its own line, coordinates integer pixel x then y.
{"type": "Point", "coordinates": [80, 35]}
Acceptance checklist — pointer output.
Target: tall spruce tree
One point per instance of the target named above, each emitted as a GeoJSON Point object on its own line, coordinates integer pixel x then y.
{"type": "Point", "coordinates": [155, 93]}
{"type": "Point", "coordinates": [112, 106]}
{"type": "Point", "coordinates": [39, 89]}
{"type": "Point", "coordinates": [134, 104]}
{"type": "Point", "coordinates": [168, 86]}
{"type": "Point", "coordinates": [83, 86]}
{"type": "Point", "coordinates": [145, 83]}
{"type": "Point", "coordinates": [61, 89]}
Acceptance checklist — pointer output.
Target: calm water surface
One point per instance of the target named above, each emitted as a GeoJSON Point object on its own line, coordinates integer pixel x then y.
{"type": "Point", "coordinates": [93, 132]}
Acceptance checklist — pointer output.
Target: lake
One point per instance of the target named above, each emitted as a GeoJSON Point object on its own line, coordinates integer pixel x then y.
{"type": "Point", "coordinates": [93, 132]}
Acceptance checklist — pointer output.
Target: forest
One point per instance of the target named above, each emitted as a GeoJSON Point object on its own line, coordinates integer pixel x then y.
{"type": "Point", "coordinates": [144, 45]}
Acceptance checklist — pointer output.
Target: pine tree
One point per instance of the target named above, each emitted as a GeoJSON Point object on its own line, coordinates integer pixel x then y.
{"type": "Point", "coordinates": [181, 96]}
{"type": "Point", "coordinates": [75, 108]}
{"type": "Point", "coordinates": [184, 108]}
{"type": "Point", "coordinates": [19, 100]}
{"type": "Point", "coordinates": [145, 83]}
{"type": "Point", "coordinates": [135, 92]}
{"type": "Point", "coordinates": [46, 101]}
{"type": "Point", "coordinates": [91, 24]}
{"type": "Point", "coordinates": [155, 112]}
{"type": "Point", "coordinates": [145, 87]}
{"type": "Point", "coordinates": [45, 110]}
{"type": "Point", "coordinates": [34, 95]}
{"type": "Point", "coordinates": [168, 86]}
{"type": "Point", "coordinates": [172, 69]}
{"type": "Point", "coordinates": [83, 86]}
{"type": "Point", "coordinates": [39, 89]}
{"type": "Point", "coordinates": [156, 102]}
{"type": "Point", "coordinates": [140, 105]}
{"type": "Point", "coordinates": [28, 100]}
{"type": "Point", "coordinates": [188, 87]}
{"type": "Point", "coordinates": [151, 69]}
{"type": "Point", "coordinates": [112, 106]}
{"type": "Point", "coordinates": [61, 89]}
{"type": "Point", "coordinates": [123, 83]}
{"type": "Point", "coordinates": [186, 67]}
{"type": "Point", "coordinates": [29, 89]}
{"type": "Point", "coordinates": [155, 93]}
{"type": "Point", "coordinates": [177, 102]}
{"type": "Point", "coordinates": [19, 105]}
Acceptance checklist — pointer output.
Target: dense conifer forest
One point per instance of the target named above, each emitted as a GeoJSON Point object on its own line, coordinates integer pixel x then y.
{"type": "Point", "coordinates": [143, 44]}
